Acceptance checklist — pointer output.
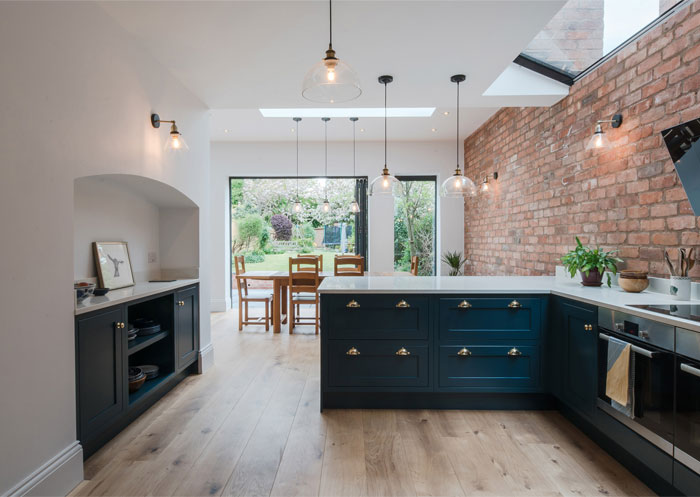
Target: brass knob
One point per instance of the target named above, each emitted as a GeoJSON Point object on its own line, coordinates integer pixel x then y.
{"type": "Point", "coordinates": [403, 304]}
{"type": "Point", "coordinates": [120, 325]}
{"type": "Point", "coordinates": [403, 351]}
{"type": "Point", "coordinates": [464, 305]}
{"type": "Point", "coordinates": [515, 305]}
{"type": "Point", "coordinates": [464, 352]}
{"type": "Point", "coordinates": [514, 352]}
{"type": "Point", "coordinates": [588, 327]}
{"type": "Point", "coordinates": [352, 304]}
{"type": "Point", "coordinates": [352, 351]}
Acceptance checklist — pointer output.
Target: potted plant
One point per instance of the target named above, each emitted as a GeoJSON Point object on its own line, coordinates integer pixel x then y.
{"type": "Point", "coordinates": [455, 261]}
{"type": "Point", "coordinates": [590, 263]}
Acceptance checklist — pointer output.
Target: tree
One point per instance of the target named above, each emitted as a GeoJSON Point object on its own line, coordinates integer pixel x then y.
{"type": "Point", "coordinates": [250, 228]}
{"type": "Point", "coordinates": [414, 235]}
{"type": "Point", "coordinates": [282, 226]}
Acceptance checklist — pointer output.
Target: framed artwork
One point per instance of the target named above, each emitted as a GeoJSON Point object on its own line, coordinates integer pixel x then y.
{"type": "Point", "coordinates": [113, 264]}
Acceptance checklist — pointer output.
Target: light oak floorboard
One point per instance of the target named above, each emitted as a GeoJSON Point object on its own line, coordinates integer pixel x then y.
{"type": "Point", "coordinates": [251, 426]}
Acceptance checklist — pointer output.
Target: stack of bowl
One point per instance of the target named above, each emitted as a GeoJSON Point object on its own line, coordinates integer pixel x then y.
{"type": "Point", "coordinates": [136, 379]}
{"type": "Point", "coordinates": [633, 281]}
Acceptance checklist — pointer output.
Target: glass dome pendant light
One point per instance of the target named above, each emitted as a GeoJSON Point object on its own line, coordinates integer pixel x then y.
{"type": "Point", "coordinates": [385, 184]}
{"type": "Point", "coordinates": [458, 185]}
{"type": "Point", "coordinates": [297, 203]}
{"type": "Point", "coordinates": [331, 80]}
{"type": "Point", "coordinates": [354, 206]}
{"type": "Point", "coordinates": [326, 206]}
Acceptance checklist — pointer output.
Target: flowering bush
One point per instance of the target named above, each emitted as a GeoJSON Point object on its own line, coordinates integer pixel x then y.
{"type": "Point", "coordinates": [282, 226]}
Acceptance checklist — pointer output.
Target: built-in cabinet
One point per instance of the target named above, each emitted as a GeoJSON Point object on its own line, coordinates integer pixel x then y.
{"type": "Point", "coordinates": [104, 355]}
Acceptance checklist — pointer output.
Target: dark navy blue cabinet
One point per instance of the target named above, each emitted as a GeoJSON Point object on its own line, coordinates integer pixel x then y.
{"type": "Point", "coordinates": [493, 368]}
{"type": "Point", "coordinates": [378, 363]}
{"type": "Point", "coordinates": [577, 355]}
{"type": "Point", "coordinates": [100, 370]}
{"type": "Point", "coordinates": [186, 326]}
{"type": "Point", "coordinates": [103, 356]}
{"type": "Point", "coordinates": [469, 319]}
{"type": "Point", "coordinates": [378, 316]}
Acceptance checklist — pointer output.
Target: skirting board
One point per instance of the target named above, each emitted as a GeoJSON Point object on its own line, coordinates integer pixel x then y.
{"type": "Point", "coordinates": [58, 476]}
{"type": "Point", "coordinates": [206, 358]}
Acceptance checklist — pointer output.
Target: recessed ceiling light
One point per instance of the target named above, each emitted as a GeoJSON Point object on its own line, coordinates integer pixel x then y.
{"type": "Point", "coordinates": [447, 113]}
{"type": "Point", "coordinates": [434, 130]}
{"type": "Point", "coordinates": [350, 112]}
{"type": "Point", "coordinates": [225, 131]}
{"type": "Point", "coordinates": [292, 130]}
{"type": "Point", "coordinates": [362, 130]}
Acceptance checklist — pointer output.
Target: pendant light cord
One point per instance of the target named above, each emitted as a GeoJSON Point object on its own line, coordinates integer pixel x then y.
{"type": "Point", "coordinates": [325, 183]}
{"type": "Point", "coordinates": [297, 159]}
{"type": "Point", "coordinates": [353, 148]}
{"type": "Point", "coordinates": [330, 23]}
{"type": "Point", "coordinates": [457, 124]}
{"type": "Point", "coordinates": [385, 125]}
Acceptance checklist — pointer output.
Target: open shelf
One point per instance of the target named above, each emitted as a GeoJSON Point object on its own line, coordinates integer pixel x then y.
{"type": "Point", "coordinates": [140, 343]}
{"type": "Point", "coordinates": [148, 387]}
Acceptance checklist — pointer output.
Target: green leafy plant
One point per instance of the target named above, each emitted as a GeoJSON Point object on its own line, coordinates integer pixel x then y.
{"type": "Point", "coordinates": [254, 257]}
{"type": "Point", "coordinates": [586, 259]}
{"type": "Point", "coordinates": [455, 260]}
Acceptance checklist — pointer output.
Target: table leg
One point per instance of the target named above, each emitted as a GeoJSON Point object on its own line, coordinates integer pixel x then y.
{"type": "Point", "coordinates": [276, 315]}
{"type": "Point", "coordinates": [285, 298]}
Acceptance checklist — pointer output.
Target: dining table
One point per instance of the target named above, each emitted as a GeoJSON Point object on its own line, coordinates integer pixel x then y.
{"type": "Point", "coordinates": [280, 282]}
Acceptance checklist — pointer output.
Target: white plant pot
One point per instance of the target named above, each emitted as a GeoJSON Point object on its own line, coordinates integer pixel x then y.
{"type": "Point", "coordinates": [679, 287]}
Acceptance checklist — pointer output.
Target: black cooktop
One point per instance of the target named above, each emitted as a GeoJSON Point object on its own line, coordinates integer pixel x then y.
{"type": "Point", "coordinates": [685, 311]}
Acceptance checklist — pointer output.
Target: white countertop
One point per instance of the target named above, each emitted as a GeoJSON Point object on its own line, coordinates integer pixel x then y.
{"type": "Point", "coordinates": [123, 295]}
{"type": "Point", "coordinates": [613, 298]}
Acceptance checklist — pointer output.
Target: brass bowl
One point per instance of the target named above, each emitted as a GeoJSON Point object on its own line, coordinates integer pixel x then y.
{"type": "Point", "coordinates": [633, 281]}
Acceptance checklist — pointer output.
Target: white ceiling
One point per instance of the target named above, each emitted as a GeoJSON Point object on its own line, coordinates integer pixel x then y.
{"type": "Point", "coordinates": [239, 56]}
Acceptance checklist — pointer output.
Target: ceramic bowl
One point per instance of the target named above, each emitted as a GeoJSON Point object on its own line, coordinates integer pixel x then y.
{"type": "Point", "coordinates": [99, 292]}
{"type": "Point", "coordinates": [136, 384]}
{"type": "Point", "coordinates": [633, 281]}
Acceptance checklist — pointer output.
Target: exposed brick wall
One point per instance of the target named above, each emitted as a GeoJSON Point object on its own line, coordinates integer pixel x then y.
{"type": "Point", "coordinates": [550, 188]}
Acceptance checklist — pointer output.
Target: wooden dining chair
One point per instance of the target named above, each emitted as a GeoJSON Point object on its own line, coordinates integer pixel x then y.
{"type": "Point", "coordinates": [349, 265]}
{"type": "Point", "coordinates": [414, 265]}
{"type": "Point", "coordinates": [303, 290]}
{"type": "Point", "coordinates": [316, 256]}
{"type": "Point", "coordinates": [245, 296]}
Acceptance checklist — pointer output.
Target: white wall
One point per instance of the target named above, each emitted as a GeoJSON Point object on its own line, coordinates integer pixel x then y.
{"type": "Point", "coordinates": [107, 212]}
{"type": "Point", "coordinates": [76, 96]}
{"type": "Point", "coordinates": [278, 159]}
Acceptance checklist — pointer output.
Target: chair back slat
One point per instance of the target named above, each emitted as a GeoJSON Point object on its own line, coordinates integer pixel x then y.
{"type": "Point", "coordinates": [414, 265]}
{"type": "Point", "coordinates": [239, 264]}
{"type": "Point", "coordinates": [303, 274]}
{"type": "Point", "coordinates": [313, 256]}
{"type": "Point", "coordinates": [349, 265]}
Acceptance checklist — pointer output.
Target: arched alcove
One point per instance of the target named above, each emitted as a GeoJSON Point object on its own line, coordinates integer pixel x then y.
{"type": "Point", "coordinates": [159, 222]}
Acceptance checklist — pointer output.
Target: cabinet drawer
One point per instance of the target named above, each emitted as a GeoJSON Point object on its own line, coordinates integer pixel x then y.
{"type": "Point", "coordinates": [377, 364]}
{"type": "Point", "coordinates": [475, 320]}
{"type": "Point", "coordinates": [489, 368]}
{"type": "Point", "coordinates": [377, 317]}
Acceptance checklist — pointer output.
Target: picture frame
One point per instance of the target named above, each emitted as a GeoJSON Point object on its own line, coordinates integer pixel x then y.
{"type": "Point", "coordinates": [113, 264]}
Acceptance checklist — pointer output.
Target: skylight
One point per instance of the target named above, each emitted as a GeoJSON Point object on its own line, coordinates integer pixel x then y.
{"type": "Point", "coordinates": [584, 31]}
{"type": "Point", "coordinates": [350, 112]}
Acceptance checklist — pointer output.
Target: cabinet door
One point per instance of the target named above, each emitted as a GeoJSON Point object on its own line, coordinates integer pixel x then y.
{"type": "Point", "coordinates": [186, 326]}
{"type": "Point", "coordinates": [100, 371]}
{"type": "Point", "coordinates": [580, 356]}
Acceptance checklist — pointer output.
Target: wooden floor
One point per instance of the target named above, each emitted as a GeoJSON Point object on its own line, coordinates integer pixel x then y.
{"type": "Point", "coordinates": [251, 426]}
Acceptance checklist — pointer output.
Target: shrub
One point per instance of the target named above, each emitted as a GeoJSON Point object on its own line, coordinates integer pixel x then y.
{"type": "Point", "coordinates": [306, 246]}
{"type": "Point", "coordinates": [250, 228]}
{"type": "Point", "coordinates": [254, 257]}
{"type": "Point", "coordinates": [264, 239]}
{"type": "Point", "coordinates": [282, 226]}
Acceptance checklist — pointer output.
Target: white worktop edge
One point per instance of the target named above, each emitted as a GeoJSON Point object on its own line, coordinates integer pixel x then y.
{"type": "Point", "coordinates": [128, 294]}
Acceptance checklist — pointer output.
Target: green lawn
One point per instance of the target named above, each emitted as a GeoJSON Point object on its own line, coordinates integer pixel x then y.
{"type": "Point", "coordinates": [280, 262]}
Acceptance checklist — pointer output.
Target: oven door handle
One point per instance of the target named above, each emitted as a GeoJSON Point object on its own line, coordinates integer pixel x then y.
{"type": "Point", "coordinates": [687, 368]}
{"type": "Point", "coordinates": [635, 349]}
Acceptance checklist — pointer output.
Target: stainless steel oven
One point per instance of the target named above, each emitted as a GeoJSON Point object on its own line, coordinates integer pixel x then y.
{"type": "Point", "coordinates": [688, 398]}
{"type": "Point", "coordinates": [651, 375]}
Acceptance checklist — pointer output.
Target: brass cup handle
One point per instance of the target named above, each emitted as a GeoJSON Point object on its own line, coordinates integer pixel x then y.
{"type": "Point", "coordinates": [515, 305]}
{"type": "Point", "coordinates": [514, 352]}
{"type": "Point", "coordinates": [352, 304]}
{"type": "Point", "coordinates": [464, 352]}
{"type": "Point", "coordinates": [403, 351]}
{"type": "Point", "coordinates": [403, 304]}
{"type": "Point", "coordinates": [464, 305]}
{"type": "Point", "coordinates": [352, 351]}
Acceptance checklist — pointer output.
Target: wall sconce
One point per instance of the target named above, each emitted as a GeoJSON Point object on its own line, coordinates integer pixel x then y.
{"type": "Point", "coordinates": [485, 183]}
{"type": "Point", "coordinates": [176, 143]}
{"type": "Point", "coordinates": [599, 140]}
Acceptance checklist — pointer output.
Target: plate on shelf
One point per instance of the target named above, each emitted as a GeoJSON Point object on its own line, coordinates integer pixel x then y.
{"type": "Point", "coordinates": [150, 370]}
{"type": "Point", "coordinates": [149, 330]}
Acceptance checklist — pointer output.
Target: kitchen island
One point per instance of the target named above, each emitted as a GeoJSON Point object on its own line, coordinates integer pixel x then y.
{"type": "Point", "coordinates": [501, 343]}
